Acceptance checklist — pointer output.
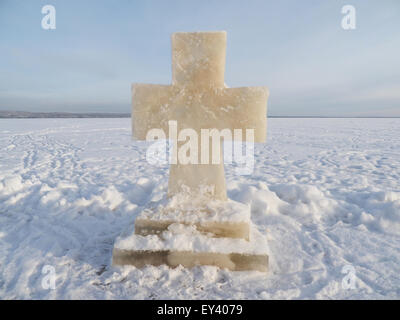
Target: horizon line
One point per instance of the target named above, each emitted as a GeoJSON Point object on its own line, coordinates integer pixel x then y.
{"type": "Point", "coordinates": [9, 114]}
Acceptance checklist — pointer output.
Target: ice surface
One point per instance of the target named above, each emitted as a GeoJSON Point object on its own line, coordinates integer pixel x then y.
{"type": "Point", "coordinates": [326, 190]}
{"type": "Point", "coordinates": [188, 209]}
{"type": "Point", "coordinates": [198, 99]}
{"type": "Point", "coordinates": [185, 245]}
{"type": "Point", "coordinates": [180, 237]}
{"type": "Point", "coordinates": [214, 217]}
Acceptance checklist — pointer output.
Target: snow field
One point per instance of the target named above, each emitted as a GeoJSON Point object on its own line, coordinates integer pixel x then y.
{"type": "Point", "coordinates": [326, 191]}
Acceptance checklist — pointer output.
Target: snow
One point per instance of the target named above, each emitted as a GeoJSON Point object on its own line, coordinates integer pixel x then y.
{"type": "Point", "coordinates": [327, 191]}
{"type": "Point", "coordinates": [180, 237]}
{"type": "Point", "coordinates": [184, 208]}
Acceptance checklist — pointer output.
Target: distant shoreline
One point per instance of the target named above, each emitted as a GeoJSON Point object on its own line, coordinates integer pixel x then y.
{"type": "Point", "coordinates": [68, 115]}
{"type": "Point", "coordinates": [58, 115]}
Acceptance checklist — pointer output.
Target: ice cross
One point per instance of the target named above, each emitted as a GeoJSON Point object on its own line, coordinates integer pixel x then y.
{"type": "Point", "coordinates": [198, 99]}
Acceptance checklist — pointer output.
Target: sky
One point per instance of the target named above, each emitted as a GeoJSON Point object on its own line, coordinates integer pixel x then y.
{"type": "Point", "coordinates": [298, 49]}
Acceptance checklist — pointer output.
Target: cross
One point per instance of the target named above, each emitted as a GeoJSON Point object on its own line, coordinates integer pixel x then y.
{"type": "Point", "coordinates": [198, 99]}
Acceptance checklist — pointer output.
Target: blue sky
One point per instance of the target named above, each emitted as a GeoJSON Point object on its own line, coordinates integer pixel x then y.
{"type": "Point", "coordinates": [296, 48]}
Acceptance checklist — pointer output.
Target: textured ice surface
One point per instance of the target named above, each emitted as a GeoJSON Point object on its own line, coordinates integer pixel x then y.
{"type": "Point", "coordinates": [188, 208]}
{"type": "Point", "coordinates": [179, 237]}
{"type": "Point", "coordinates": [184, 245]}
{"type": "Point", "coordinates": [217, 218]}
{"type": "Point", "coordinates": [326, 190]}
{"type": "Point", "coordinates": [198, 99]}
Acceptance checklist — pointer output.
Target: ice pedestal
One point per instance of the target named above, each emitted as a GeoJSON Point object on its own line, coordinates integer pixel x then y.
{"type": "Point", "coordinates": [216, 233]}
{"type": "Point", "coordinates": [190, 249]}
{"type": "Point", "coordinates": [215, 218]}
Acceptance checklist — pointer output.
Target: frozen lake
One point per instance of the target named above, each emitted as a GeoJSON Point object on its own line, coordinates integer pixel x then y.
{"type": "Point", "coordinates": [327, 192]}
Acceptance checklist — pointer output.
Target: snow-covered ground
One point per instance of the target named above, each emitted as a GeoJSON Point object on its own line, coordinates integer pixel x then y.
{"type": "Point", "coordinates": [327, 191]}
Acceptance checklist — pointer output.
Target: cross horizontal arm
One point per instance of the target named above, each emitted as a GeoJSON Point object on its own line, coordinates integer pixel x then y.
{"type": "Point", "coordinates": [228, 108]}
{"type": "Point", "coordinates": [150, 108]}
{"type": "Point", "coordinates": [243, 108]}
